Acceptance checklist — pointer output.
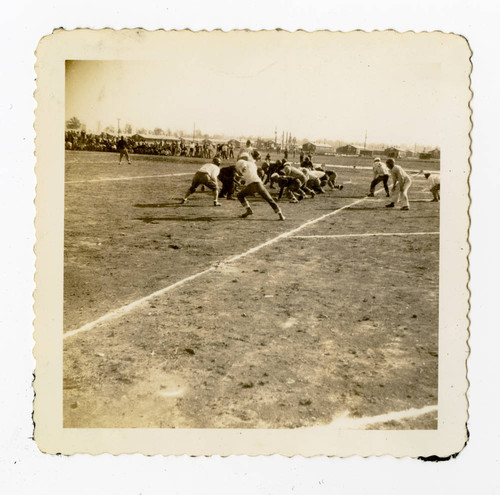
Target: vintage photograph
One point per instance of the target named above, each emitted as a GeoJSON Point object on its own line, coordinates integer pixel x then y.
{"type": "Point", "coordinates": [251, 231]}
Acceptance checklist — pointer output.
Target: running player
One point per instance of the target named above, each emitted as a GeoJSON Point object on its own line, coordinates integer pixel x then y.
{"type": "Point", "coordinates": [206, 176]}
{"type": "Point", "coordinates": [401, 182]}
{"type": "Point", "coordinates": [253, 185]}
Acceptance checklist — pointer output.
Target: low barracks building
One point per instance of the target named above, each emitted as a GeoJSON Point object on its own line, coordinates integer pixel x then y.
{"type": "Point", "coordinates": [318, 148]}
{"type": "Point", "coordinates": [349, 149]}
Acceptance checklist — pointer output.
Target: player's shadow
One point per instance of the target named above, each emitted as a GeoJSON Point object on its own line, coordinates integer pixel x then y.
{"type": "Point", "coordinates": [349, 197]}
{"type": "Point", "coordinates": [165, 205]}
{"type": "Point", "coordinates": [366, 208]}
{"type": "Point", "coordinates": [154, 220]}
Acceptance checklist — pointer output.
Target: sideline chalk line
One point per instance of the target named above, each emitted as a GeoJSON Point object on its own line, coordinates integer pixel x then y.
{"type": "Point", "coordinates": [374, 234]}
{"type": "Point", "coordinates": [127, 178]}
{"type": "Point", "coordinates": [345, 422]}
{"type": "Point", "coordinates": [128, 307]}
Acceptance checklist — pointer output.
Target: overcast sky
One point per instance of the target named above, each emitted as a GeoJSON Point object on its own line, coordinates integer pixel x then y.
{"type": "Point", "coordinates": [315, 88]}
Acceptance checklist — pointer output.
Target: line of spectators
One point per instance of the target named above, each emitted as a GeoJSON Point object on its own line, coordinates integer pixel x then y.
{"type": "Point", "coordinates": [82, 141]}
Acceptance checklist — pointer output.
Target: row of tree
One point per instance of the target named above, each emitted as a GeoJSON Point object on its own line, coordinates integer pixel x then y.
{"type": "Point", "coordinates": [75, 124]}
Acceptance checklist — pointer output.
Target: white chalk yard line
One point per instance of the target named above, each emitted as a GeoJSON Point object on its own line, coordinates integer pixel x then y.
{"type": "Point", "coordinates": [129, 307]}
{"type": "Point", "coordinates": [346, 422]}
{"type": "Point", "coordinates": [374, 234]}
{"type": "Point", "coordinates": [127, 178]}
{"type": "Point", "coordinates": [364, 167]}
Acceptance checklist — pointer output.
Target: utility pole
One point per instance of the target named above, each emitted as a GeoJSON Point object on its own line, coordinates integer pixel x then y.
{"type": "Point", "coordinates": [366, 134]}
{"type": "Point", "coordinates": [118, 132]}
{"type": "Point", "coordinates": [275, 136]}
{"type": "Point", "coordinates": [194, 128]}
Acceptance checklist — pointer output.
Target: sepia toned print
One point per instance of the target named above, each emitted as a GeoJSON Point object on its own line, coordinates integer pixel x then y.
{"type": "Point", "coordinates": [255, 254]}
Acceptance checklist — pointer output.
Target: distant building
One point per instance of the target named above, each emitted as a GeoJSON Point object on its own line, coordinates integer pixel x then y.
{"type": "Point", "coordinates": [430, 155]}
{"type": "Point", "coordinates": [349, 149]}
{"type": "Point", "coordinates": [265, 144]}
{"type": "Point", "coordinates": [394, 153]}
{"type": "Point", "coordinates": [318, 148]}
{"type": "Point", "coordinates": [366, 152]}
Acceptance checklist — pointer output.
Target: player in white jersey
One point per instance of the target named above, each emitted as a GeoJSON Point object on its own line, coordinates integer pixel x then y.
{"type": "Point", "coordinates": [206, 176]}
{"type": "Point", "coordinates": [253, 184]}
{"type": "Point", "coordinates": [313, 179]}
{"type": "Point", "coordinates": [435, 185]}
{"type": "Point", "coordinates": [401, 182]}
{"type": "Point", "coordinates": [380, 174]}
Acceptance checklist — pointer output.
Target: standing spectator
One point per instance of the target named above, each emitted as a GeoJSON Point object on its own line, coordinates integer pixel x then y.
{"type": "Point", "coordinates": [231, 150]}
{"type": "Point", "coordinates": [248, 149]}
{"type": "Point", "coordinates": [301, 157]}
{"type": "Point", "coordinates": [401, 182]}
{"type": "Point", "coordinates": [224, 151]}
{"type": "Point", "coordinates": [380, 174]}
{"type": "Point", "coordinates": [286, 154]}
{"type": "Point", "coordinates": [121, 146]}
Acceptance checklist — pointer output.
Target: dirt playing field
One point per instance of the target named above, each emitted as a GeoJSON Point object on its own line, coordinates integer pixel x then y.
{"type": "Point", "coordinates": [323, 322]}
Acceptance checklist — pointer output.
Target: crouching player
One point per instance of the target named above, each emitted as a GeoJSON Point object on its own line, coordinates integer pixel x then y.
{"type": "Point", "coordinates": [298, 174]}
{"type": "Point", "coordinates": [274, 168]}
{"type": "Point", "coordinates": [435, 185]}
{"type": "Point", "coordinates": [289, 184]}
{"type": "Point", "coordinates": [313, 182]}
{"type": "Point", "coordinates": [380, 174]}
{"type": "Point", "coordinates": [330, 177]}
{"type": "Point", "coordinates": [401, 182]}
{"type": "Point", "coordinates": [230, 179]}
{"type": "Point", "coordinates": [206, 176]}
{"type": "Point", "coordinates": [253, 185]}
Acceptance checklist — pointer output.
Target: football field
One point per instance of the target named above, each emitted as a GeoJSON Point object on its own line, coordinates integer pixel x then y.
{"type": "Point", "coordinates": [187, 316]}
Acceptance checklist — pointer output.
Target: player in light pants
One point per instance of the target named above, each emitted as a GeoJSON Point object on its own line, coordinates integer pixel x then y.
{"type": "Point", "coordinates": [206, 176]}
{"type": "Point", "coordinates": [253, 184]}
{"type": "Point", "coordinates": [401, 182]}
